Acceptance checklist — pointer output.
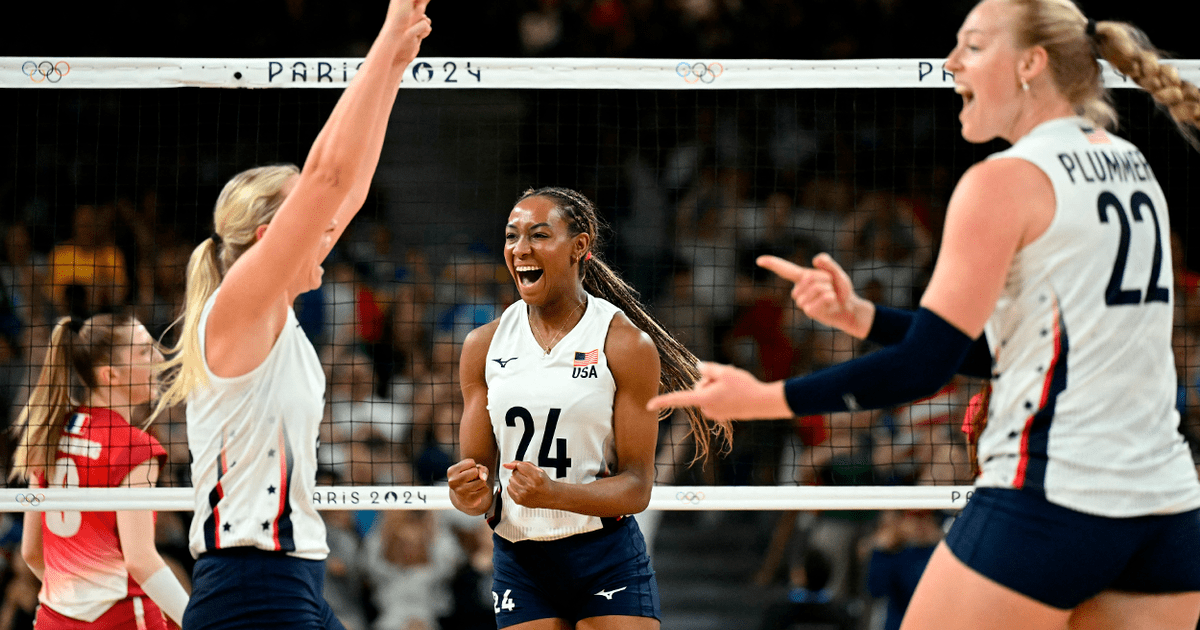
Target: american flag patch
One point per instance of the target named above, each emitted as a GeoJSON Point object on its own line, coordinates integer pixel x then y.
{"type": "Point", "coordinates": [1095, 135]}
{"type": "Point", "coordinates": [587, 358]}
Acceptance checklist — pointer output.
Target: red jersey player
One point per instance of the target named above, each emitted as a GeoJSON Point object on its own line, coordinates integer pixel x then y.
{"type": "Point", "coordinates": [98, 569]}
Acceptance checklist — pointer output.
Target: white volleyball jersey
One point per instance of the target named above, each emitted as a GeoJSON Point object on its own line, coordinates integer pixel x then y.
{"type": "Point", "coordinates": [1083, 401]}
{"type": "Point", "coordinates": [553, 410]}
{"type": "Point", "coordinates": [253, 441]}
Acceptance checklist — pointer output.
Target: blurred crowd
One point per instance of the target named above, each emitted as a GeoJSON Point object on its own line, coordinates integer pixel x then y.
{"type": "Point", "coordinates": [775, 29]}
{"type": "Point", "coordinates": [625, 28]}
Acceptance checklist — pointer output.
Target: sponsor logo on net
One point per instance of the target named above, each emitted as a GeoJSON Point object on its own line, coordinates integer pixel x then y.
{"type": "Point", "coordinates": [689, 497]}
{"type": "Point", "coordinates": [45, 71]}
{"type": "Point", "coordinates": [699, 71]}
{"type": "Point", "coordinates": [30, 498]}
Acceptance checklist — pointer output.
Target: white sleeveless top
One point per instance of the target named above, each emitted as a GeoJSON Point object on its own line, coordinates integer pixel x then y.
{"type": "Point", "coordinates": [253, 441]}
{"type": "Point", "coordinates": [553, 410]}
{"type": "Point", "coordinates": [1083, 401]}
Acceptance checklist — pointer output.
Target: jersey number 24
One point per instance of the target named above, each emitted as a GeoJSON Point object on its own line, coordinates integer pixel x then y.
{"type": "Point", "coordinates": [559, 461]}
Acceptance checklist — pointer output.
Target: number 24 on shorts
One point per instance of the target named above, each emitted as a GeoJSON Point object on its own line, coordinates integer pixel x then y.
{"type": "Point", "coordinates": [506, 603]}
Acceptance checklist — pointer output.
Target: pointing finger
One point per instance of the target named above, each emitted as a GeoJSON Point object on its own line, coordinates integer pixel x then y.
{"type": "Point", "coordinates": [783, 268]}
{"type": "Point", "coordinates": [687, 398]}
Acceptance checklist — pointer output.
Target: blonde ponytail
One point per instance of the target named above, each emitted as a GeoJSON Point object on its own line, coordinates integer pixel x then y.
{"type": "Point", "coordinates": [247, 201]}
{"type": "Point", "coordinates": [184, 371]}
{"type": "Point", "coordinates": [76, 349]}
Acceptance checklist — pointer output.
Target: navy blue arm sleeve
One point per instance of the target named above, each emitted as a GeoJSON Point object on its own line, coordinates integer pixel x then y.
{"type": "Point", "coordinates": [920, 364]}
{"type": "Point", "coordinates": [891, 325]}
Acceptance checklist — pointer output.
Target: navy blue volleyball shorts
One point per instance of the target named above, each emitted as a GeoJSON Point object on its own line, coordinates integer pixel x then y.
{"type": "Point", "coordinates": [245, 587]}
{"type": "Point", "coordinates": [1062, 557]}
{"type": "Point", "coordinates": [604, 572]}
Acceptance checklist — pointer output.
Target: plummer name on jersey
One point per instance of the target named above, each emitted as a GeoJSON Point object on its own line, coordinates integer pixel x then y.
{"type": "Point", "coordinates": [1106, 166]}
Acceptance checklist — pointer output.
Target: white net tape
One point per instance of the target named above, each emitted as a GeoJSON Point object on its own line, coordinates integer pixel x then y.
{"type": "Point", "coordinates": [497, 73]}
{"type": "Point", "coordinates": [437, 498]}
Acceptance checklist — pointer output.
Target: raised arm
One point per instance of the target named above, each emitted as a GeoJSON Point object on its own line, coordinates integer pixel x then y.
{"type": "Point", "coordinates": [634, 362]}
{"type": "Point", "coordinates": [328, 192]}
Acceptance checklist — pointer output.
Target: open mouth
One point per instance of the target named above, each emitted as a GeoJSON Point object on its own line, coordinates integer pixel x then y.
{"type": "Point", "coordinates": [527, 275]}
{"type": "Point", "coordinates": [967, 95]}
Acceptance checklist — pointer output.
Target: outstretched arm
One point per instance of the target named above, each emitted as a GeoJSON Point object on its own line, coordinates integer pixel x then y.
{"type": "Point", "coordinates": [825, 294]}
{"type": "Point", "coordinates": [1012, 202]}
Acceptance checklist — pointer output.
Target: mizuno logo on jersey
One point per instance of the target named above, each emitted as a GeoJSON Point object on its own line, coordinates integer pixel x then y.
{"type": "Point", "coordinates": [504, 362]}
{"type": "Point", "coordinates": [608, 594]}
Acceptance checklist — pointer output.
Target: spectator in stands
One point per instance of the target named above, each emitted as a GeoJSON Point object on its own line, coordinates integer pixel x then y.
{"type": "Point", "coordinates": [888, 244]}
{"type": "Point", "coordinates": [87, 271]}
{"type": "Point", "coordinates": [23, 301]}
{"type": "Point", "coordinates": [160, 297]}
{"type": "Point", "coordinates": [344, 578]}
{"type": "Point", "coordinates": [467, 294]}
{"type": "Point", "coordinates": [18, 606]}
{"type": "Point", "coordinates": [407, 343]}
{"type": "Point", "coordinates": [410, 557]}
{"type": "Point", "coordinates": [437, 403]}
{"type": "Point", "coordinates": [810, 605]}
{"type": "Point", "coordinates": [899, 550]}
{"type": "Point", "coordinates": [471, 584]}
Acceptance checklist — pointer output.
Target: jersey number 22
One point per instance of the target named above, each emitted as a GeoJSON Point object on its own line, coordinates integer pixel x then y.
{"type": "Point", "coordinates": [1114, 295]}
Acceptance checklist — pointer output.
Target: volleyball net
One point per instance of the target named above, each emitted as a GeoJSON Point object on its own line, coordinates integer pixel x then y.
{"type": "Point", "coordinates": [698, 167]}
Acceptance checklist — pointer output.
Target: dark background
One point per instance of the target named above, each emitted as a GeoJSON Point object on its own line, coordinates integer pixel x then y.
{"type": "Point", "coordinates": [798, 29]}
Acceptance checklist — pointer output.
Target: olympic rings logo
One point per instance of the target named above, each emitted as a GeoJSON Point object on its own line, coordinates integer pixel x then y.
{"type": "Point", "coordinates": [699, 71]}
{"type": "Point", "coordinates": [689, 497]}
{"type": "Point", "coordinates": [30, 498]}
{"type": "Point", "coordinates": [42, 71]}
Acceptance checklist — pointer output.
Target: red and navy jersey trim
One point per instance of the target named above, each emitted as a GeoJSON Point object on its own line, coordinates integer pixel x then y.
{"type": "Point", "coordinates": [282, 531]}
{"type": "Point", "coordinates": [212, 524]}
{"type": "Point", "coordinates": [1035, 438]}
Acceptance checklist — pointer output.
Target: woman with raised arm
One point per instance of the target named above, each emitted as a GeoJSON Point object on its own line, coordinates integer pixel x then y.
{"type": "Point", "coordinates": [98, 569]}
{"type": "Point", "coordinates": [251, 379]}
{"type": "Point", "coordinates": [557, 443]}
{"type": "Point", "coordinates": [1054, 281]}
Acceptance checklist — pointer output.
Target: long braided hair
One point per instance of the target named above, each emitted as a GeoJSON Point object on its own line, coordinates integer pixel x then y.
{"type": "Point", "coordinates": [679, 369]}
